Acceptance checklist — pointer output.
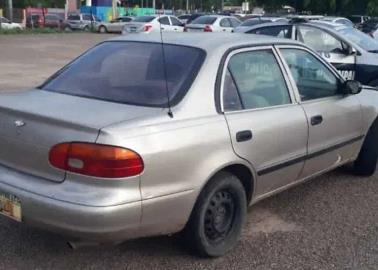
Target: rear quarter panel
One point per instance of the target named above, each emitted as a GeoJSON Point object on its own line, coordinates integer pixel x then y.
{"type": "Point", "coordinates": [180, 156]}
{"type": "Point", "coordinates": [369, 104]}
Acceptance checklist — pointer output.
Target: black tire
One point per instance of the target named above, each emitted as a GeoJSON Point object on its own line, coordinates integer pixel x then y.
{"type": "Point", "coordinates": [86, 28]}
{"type": "Point", "coordinates": [366, 163]}
{"type": "Point", "coordinates": [217, 219]}
{"type": "Point", "coordinates": [102, 29]}
{"type": "Point", "coordinates": [67, 29]}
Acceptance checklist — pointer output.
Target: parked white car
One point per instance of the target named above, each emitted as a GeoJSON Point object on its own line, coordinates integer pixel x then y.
{"type": "Point", "coordinates": [7, 24]}
{"type": "Point", "coordinates": [153, 23]}
{"type": "Point", "coordinates": [213, 23]}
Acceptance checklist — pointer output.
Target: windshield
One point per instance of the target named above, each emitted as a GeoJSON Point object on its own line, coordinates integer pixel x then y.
{"type": "Point", "coordinates": [361, 39]}
{"type": "Point", "coordinates": [130, 72]}
{"type": "Point", "coordinates": [204, 20]}
{"type": "Point", "coordinates": [144, 19]}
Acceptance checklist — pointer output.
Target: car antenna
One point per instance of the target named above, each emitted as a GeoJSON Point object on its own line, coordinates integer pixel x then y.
{"type": "Point", "coordinates": [170, 113]}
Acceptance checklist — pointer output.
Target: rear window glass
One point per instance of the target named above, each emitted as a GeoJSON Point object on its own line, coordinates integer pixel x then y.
{"type": "Point", "coordinates": [256, 21]}
{"type": "Point", "coordinates": [130, 72]}
{"type": "Point", "coordinates": [144, 19]}
{"type": "Point", "coordinates": [204, 20]}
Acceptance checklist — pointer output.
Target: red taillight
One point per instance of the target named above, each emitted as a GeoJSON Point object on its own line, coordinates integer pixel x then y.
{"type": "Point", "coordinates": [208, 29]}
{"type": "Point", "coordinates": [147, 27]}
{"type": "Point", "coordinates": [96, 160]}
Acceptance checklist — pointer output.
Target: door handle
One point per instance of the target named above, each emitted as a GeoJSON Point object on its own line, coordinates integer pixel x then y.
{"type": "Point", "coordinates": [316, 120]}
{"type": "Point", "coordinates": [243, 136]}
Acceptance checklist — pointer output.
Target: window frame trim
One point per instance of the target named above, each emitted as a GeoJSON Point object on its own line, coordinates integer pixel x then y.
{"type": "Point", "coordinates": [293, 100]}
{"type": "Point", "coordinates": [326, 64]}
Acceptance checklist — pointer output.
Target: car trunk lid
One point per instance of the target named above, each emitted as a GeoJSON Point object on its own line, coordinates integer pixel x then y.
{"type": "Point", "coordinates": [135, 27]}
{"type": "Point", "coordinates": [31, 122]}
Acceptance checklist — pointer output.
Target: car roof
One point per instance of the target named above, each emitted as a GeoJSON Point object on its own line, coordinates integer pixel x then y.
{"type": "Point", "coordinates": [212, 42]}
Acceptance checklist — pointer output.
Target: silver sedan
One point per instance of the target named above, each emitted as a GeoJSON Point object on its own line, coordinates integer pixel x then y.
{"type": "Point", "coordinates": [117, 145]}
{"type": "Point", "coordinates": [114, 26]}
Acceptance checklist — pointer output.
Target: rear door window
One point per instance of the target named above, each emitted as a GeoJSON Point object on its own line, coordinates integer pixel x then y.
{"type": "Point", "coordinates": [255, 81]}
{"type": "Point", "coordinates": [164, 21]}
{"type": "Point", "coordinates": [234, 22]}
{"type": "Point", "coordinates": [74, 17]}
{"type": "Point", "coordinates": [225, 23]}
{"type": "Point", "coordinates": [175, 21]}
{"type": "Point", "coordinates": [131, 73]}
{"type": "Point", "coordinates": [87, 17]}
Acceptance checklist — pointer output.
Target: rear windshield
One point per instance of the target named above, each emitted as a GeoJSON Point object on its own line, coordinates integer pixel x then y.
{"type": "Point", "coordinates": [144, 19]}
{"type": "Point", "coordinates": [131, 73]}
{"type": "Point", "coordinates": [204, 20]}
{"type": "Point", "coordinates": [256, 21]}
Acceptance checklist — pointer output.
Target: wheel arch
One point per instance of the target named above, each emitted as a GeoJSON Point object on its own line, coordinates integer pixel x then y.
{"type": "Point", "coordinates": [243, 172]}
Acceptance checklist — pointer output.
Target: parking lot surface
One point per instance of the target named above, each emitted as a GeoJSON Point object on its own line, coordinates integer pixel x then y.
{"type": "Point", "coordinates": [328, 223]}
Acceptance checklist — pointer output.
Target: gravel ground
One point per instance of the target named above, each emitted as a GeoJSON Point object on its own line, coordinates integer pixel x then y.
{"type": "Point", "coordinates": [328, 223]}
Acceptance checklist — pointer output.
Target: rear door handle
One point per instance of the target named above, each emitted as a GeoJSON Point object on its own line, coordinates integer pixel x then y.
{"type": "Point", "coordinates": [243, 136]}
{"type": "Point", "coordinates": [316, 120]}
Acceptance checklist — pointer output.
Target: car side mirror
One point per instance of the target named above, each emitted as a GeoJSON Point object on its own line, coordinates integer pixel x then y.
{"type": "Point", "coordinates": [351, 87]}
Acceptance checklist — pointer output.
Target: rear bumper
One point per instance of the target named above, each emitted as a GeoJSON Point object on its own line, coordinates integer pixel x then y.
{"type": "Point", "coordinates": [99, 223]}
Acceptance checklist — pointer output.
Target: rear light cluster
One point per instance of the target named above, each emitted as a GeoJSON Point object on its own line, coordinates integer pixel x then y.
{"type": "Point", "coordinates": [96, 160]}
{"type": "Point", "coordinates": [208, 29]}
{"type": "Point", "coordinates": [147, 27]}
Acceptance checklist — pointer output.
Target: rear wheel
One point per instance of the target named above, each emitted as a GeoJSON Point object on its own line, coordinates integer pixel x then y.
{"type": "Point", "coordinates": [218, 217]}
{"type": "Point", "coordinates": [86, 28]}
{"type": "Point", "coordinates": [102, 29]}
{"type": "Point", "coordinates": [366, 162]}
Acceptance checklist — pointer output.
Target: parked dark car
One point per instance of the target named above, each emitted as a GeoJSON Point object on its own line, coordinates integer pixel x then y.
{"type": "Point", "coordinates": [55, 21]}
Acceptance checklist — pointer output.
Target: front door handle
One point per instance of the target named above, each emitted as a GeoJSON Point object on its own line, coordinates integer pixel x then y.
{"type": "Point", "coordinates": [243, 136]}
{"type": "Point", "coordinates": [316, 120]}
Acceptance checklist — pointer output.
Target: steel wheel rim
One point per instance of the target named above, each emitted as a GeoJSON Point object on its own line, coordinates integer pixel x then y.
{"type": "Point", "coordinates": [219, 216]}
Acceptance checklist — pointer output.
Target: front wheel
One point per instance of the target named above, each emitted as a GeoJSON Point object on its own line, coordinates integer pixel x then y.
{"type": "Point", "coordinates": [218, 216]}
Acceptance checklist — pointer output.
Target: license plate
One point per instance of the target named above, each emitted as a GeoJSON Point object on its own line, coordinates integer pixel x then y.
{"type": "Point", "coordinates": [10, 206]}
{"type": "Point", "coordinates": [132, 29]}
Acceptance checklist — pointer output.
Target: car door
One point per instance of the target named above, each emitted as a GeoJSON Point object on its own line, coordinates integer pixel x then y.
{"type": "Point", "coordinates": [165, 24]}
{"type": "Point", "coordinates": [225, 25]}
{"type": "Point", "coordinates": [334, 119]}
{"type": "Point", "coordinates": [114, 25]}
{"type": "Point", "coordinates": [177, 25]}
{"type": "Point", "coordinates": [332, 49]}
{"type": "Point", "coordinates": [267, 127]}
